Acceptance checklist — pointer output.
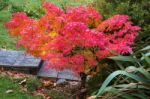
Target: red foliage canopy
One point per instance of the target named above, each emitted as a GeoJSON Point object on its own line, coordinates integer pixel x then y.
{"type": "Point", "coordinates": [75, 39]}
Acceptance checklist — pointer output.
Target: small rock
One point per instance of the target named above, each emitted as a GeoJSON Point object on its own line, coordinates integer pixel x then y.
{"type": "Point", "coordinates": [88, 78]}
{"type": "Point", "coordinates": [61, 81]}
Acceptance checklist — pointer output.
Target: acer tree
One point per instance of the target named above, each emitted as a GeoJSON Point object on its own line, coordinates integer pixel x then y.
{"type": "Point", "coordinates": [74, 39]}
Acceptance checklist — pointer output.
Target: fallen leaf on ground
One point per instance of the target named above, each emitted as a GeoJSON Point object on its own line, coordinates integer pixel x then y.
{"type": "Point", "coordinates": [92, 97]}
{"type": "Point", "coordinates": [9, 91]}
{"type": "Point", "coordinates": [23, 81]}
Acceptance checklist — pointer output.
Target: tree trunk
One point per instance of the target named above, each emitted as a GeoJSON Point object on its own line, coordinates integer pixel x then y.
{"type": "Point", "coordinates": [83, 90]}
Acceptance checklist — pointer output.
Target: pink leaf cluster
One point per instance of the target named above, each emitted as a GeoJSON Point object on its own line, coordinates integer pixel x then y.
{"type": "Point", "coordinates": [76, 39]}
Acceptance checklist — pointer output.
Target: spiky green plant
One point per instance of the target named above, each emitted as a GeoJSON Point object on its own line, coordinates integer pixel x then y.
{"type": "Point", "coordinates": [130, 82]}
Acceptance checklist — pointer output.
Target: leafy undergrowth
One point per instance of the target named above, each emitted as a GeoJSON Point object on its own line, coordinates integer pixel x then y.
{"type": "Point", "coordinates": [11, 90]}
{"type": "Point", "coordinates": [17, 85]}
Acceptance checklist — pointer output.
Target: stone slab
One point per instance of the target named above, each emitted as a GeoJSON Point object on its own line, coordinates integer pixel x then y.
{"type": "Point", "coordinates": [52, 73]}
{"type": "Point", "coordinates": [68, 74]}
{"type": "Point", "coordinates": [43, 72]}
{"type": "Point", "coordinates": [9, 58]}
{"type": "Point", "coordinates": [20, 59]}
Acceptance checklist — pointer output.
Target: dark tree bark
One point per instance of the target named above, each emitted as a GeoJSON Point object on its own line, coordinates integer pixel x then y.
{"type": "Point", "coordinates": [83, 90]}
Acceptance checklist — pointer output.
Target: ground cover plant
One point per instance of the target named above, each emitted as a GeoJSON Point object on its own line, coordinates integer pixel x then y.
{"type": "Point", "coordinates": [11, 89]}
{"type": "Point", "coordinates": [21, 85]}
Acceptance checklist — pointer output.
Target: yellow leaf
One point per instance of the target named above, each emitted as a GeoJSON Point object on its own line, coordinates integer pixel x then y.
{"type": "Point", "coordinates": [53, 34]}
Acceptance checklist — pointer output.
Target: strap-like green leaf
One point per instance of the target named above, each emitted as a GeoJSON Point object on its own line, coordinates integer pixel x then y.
{"type": "Point", "coordinates": [116, 73]}
{"type": "Point", "coordinates": [141, 96]}
{"type": "Point", "coordinates": [147, 59]}
{"type": "Point", "coordinates": [123, 58]}
{"type": "Point", "coordinates": [141, 70]}
{"type": "Point", "coordinates": [130, 86]}
{"type": "Point", "coordinates": [146, 48]}
{"type": "Point", "coordinates": [127, 96]}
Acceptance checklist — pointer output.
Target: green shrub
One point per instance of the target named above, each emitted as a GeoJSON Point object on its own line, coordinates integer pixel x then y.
{"type": "Point", "coordinates": [31, 7]}
{"type": "Point", "coordinates": [138, 10]}
{"type": "Point", "coordinates": [15, 8]}
{"type": "Point", "coordinates": [64, 3]}
{"type": "Point", "coordinates": [3, 4]}
{"type": "Point", "coordinates": [34, 9]}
